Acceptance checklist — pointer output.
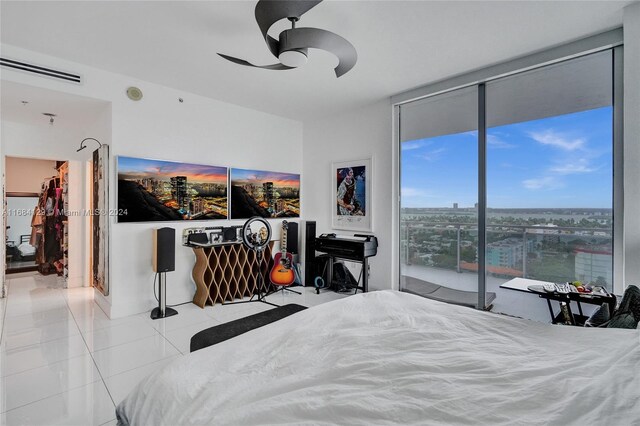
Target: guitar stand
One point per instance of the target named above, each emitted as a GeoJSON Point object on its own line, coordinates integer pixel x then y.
{"type": "Point", "coordinates": [283, 288]}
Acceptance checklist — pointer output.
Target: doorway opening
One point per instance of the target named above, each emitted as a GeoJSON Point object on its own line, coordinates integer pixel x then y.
{"type": "Point", "coordinates": [37, 228]}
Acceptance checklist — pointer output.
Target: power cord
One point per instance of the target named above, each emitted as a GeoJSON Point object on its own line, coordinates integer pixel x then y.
{"type": "Point", "coordinates": [156, 295]}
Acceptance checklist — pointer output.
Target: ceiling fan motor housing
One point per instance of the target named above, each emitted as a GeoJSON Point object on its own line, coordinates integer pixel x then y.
{"type": "Point", "coordinates": [289, 55]}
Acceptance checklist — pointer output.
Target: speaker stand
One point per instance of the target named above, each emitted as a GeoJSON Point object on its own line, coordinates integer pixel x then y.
{"type": "Point", "coordinates": [162, 311]}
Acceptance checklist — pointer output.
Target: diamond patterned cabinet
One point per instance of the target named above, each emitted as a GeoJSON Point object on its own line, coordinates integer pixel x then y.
{"type": "Point", "coordinates": [227, 272]}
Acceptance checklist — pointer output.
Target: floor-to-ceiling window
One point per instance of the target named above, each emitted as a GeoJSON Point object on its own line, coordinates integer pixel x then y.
{"type": "Point", "coordinates": [546, 141]}
{"type": "Point", "coordinates": [439, 193]}
{"type": "Point", "coordinates": [550, 173]}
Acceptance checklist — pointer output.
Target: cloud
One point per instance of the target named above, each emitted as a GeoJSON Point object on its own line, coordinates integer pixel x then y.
{"type": "Point", "coordinates": [556, 140]}
{"type": "Point", "coordinates": [494, 141]}
{"type": "Point", "coordinates": [408, 146]}
{"type": "Point", "coordinates": [546, 182]}
{"type": "Point", "coordinates": [431, 155]}
{"type": "Point", "coordinates": [577, 167]}
{"type": "Point", "coordinates": [413, 192]}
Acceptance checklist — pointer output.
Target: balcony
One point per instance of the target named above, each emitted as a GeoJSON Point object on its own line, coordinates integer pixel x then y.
{"type": "Point", "coordinates": [445, 254]}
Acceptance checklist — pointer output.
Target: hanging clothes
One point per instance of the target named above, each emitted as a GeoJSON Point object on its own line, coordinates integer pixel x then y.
{"type": "Point", "coordinates": [48, 227]}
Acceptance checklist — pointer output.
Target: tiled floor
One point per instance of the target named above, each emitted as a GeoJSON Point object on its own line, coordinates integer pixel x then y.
{"type": "Point", "coordinates": [62, 361]}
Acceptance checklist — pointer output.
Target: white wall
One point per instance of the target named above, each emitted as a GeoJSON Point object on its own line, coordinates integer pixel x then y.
{"type": "Point", "coordinates": [19, 217]}
{"type": "Point", "coordinates": [27, 174]}
{"type": "Point", "coordinates": [631, 143]}
{"type": "Point", "coordinates": [362, 133]}
{"type": "Point", "coordinates": [199, 130]}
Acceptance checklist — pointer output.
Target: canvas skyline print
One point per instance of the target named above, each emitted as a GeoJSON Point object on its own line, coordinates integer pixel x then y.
{"type": "Point", "coordinates": [155, 190]}
{"type": "Point", "coordinates": [265, 194]}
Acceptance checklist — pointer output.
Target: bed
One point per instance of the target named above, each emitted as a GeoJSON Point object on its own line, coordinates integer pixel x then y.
{"type": "Point", "coordinates": [27, 251]}
{"type": "Point", "coordinates": [391, 357]}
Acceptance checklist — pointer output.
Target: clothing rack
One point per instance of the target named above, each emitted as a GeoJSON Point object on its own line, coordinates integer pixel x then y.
{"type": "Point", "coordinates": [49, 225]}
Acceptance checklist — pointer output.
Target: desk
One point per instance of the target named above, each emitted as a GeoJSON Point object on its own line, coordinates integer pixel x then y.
{"type": "Point", "coordinates": [535, 287]}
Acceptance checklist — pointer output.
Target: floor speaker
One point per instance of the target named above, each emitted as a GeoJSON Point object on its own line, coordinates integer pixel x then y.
{"type": "Point", "coordinates": [164, 250]}
{"type": "Point", "coordinates": [309, 253]}
{"type": "Point", "coordinates": [292, 238]}
{"type": "Point", "coordinates": [164, 260]}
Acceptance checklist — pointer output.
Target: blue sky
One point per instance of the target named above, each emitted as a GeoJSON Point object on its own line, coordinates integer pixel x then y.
{"type": "Point", "coordinates": [562, 161]}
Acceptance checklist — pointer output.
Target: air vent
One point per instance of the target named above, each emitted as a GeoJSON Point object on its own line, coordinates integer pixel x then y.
{"type": "Point", "coordinates": [42, 71]}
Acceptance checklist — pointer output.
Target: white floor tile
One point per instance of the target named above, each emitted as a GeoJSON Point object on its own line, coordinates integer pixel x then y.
{"type": "Point", "coordinates": [121, 384]}
{"type": "Point", "coordinates": [45, 333]}
{"type": "Point", "coordinates": [128, 356]}
{"type": "Point", "coordinates": [33, 356]}
{"type": "Point", "coordinates": [181, 337]}
{"type": "Point", "coordinates": [187, 315]}
{"type": "Point", "coordinates": [38, 383]}
{"type": "Point", "coordinates": [84, 308]}
{"type": "Point", "coordinates": [86, 405]}
{"type": "Point", "coordinates": [36, 319]}
{"type": "Point", "coordinates": [113, 336]}
{"type": "Point", "coordinates": [99, 320]}
{"type": "Point", "coordinates": [28, 306]}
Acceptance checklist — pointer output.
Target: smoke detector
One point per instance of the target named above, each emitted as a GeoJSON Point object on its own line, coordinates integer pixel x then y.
{"type": "Point", "coordinates": [134, 93]}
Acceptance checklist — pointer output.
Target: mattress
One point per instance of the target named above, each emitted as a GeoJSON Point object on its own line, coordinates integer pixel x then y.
{"type": "Point", "coordinates": [388, 358]}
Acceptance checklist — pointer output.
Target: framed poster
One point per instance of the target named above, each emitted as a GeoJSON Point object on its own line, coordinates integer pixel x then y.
{"type": "Point", "coordinates": [264, 194]}
{"type": "Point", "coordinates": [156, 190]}
{"type": "Point", "coordinates": [351, 195]}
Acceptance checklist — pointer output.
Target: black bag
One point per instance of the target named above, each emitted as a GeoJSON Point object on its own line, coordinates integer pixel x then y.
{"type": "Point", "coordinates": [343, 280]}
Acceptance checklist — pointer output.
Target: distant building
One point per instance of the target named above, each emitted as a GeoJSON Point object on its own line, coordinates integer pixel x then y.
{"type": "Point", "coordinates": [546, 234]}
{"type": "Point", "coordinates": [455, 205]}
{"type": "Point", "coordinates": [280, 205]}
{"type": "Point", "coordinates": [508, 253]}
{"type": "Point", "coordinates": [179, 192]}
{"type": "Point", "coordinates": [267, 193]}
{"type": "Point", "coordinates": [594, 262]}
{"type": "Point", "coordinates": [198, 206]}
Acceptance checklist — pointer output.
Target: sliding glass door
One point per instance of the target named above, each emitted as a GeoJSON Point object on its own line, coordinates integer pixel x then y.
{"type": "Point", "coordinates": [539, 146]}
{"type": "Point", "coordinates": [439, 195]}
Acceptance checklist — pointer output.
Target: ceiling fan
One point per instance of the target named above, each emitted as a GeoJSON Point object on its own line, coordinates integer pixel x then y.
{"type": "Point", "coordinates": [293, 44]}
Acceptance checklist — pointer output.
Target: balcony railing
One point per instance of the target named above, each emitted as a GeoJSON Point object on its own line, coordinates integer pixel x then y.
{"type": "Point", "coordinates": [511, 249]}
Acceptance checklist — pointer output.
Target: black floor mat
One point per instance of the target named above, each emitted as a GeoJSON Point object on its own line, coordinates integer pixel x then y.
{"type": "Point", "coordinates": [226, 331]}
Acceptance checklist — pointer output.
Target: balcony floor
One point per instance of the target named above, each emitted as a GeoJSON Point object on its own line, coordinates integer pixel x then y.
{"type": "Point", "coordinates": [509, 302]}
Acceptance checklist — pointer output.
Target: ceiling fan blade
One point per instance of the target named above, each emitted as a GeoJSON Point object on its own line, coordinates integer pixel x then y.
{"type": "Point", "coordinates": [315, 38]}
{"type": "Point", "coordinates": [268, 12]}
{"type": "Point", "coordinates": [277, 67]}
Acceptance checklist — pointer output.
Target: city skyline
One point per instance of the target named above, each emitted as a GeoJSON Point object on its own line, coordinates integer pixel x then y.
{"type": "Point", "coordinates": [556, 162]}
{"type": "Point", "coordinates": [264, 193]}
{"type": "Point", "coordinates": [155, 190]}
{"type": "Point", "coordinates": [247, 176]}
{"type": "Point", "coordinates": [139, 168]}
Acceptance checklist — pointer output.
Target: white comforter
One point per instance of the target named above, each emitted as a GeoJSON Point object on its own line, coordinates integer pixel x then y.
{"type": "Point", "coordinates": [394, 358]}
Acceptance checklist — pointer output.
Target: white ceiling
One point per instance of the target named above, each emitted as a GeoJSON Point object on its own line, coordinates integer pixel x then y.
{"type": "Point", "coordinates": [400, 44]}
{"type": "Point", "coordinates": [72, 111]}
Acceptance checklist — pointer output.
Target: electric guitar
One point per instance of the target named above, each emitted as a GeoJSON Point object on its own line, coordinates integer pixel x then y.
{"type": "Point", "coordinates": [282, 273]}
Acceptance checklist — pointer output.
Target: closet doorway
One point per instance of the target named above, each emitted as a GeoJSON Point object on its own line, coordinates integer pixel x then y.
{"type": "Point", "coordinates": [37, 230]}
